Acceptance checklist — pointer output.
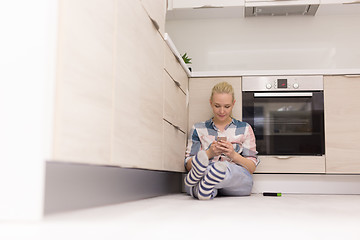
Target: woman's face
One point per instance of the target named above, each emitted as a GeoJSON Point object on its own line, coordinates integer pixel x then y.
{"type": "Point", "coordinates": [222, 105]}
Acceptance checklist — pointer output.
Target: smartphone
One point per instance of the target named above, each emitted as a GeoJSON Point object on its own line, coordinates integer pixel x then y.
{"type": "Point", "coordinates": [221, 138]}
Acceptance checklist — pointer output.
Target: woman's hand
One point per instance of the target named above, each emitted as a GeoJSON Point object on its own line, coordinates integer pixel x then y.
{"type": "Point", "coordinates": [226, 148]}
{"type": "Point", "coordinates": [214, 150]}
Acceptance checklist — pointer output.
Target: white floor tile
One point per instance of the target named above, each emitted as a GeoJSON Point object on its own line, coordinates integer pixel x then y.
{"type": "Point", "coordinates": [181, 217]}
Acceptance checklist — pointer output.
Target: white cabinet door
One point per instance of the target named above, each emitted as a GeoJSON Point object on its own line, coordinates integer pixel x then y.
{"type": "Point", "coordinates": [138, 89]}
{"type": "Point", "coordinates": [174, 144]}
{"type": "Point", "coordinates": [156, 10]}
{"type": "Point", "coordinates": [342, 129]}
{"type": "Point", "coordinates": [175, 109]}
{"type": "Point", "coordinates": [199, 98]}
{"type": "Point", "coordinates": [83, 106]}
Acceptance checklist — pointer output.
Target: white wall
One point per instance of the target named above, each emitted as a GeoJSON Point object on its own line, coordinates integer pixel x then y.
{"type": "Point", "coordinates": [270, 43]}
{"type": "Point", "coordinates": [27, 73]}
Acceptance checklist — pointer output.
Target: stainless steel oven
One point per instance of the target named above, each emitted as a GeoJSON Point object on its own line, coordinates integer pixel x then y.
{"type": "Point", "coordinates": [286, 113]}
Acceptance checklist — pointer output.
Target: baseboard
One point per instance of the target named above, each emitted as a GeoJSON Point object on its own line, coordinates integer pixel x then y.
{"type": "Point", "coordinates": [307, 183]}
{"type": "Point", "coordinates": [77, 186]}
{"type": "Point", "coordinates": [304, 183]}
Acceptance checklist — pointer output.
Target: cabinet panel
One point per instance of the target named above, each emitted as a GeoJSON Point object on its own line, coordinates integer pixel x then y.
{"type": "Point", "coordinates": [82, 130]}
{"type": "Point", "coordinates": [291, 164]}
{"type": "Point", "coordinates": [138, 89]}
{"type": "Point", "coordinates": [156, 10]}
{"type": "Point", "coordinates": [174, 144]}
{"type": "Point", "coordinates": [173, 67]}
{"type": "Point", "coordinates": [199, 98]}
{"type": "Point", "coordinates": [175, 110]}
{"type": "Point", "coordinates": [342, 131]}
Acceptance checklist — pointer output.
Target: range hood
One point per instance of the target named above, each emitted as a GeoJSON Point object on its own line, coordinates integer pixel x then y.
{"type": "Point", "coordinates": [256, 8]}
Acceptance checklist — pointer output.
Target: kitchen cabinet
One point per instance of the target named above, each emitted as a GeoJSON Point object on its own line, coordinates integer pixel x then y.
{"type": "Point", "coordinates": [175, 112]}
{"type": "Point", "coordinates": [199, 98]}
{"type": "Point", "coordinates": [342, 131]}
{"type": "Point", "coordinates": [120, 100]}
{"type": "Point", "coordinates": [83, 105]}
{"type": "Point", "coordinates": [156, 9]}
{"type": "Point", "coordinates": [138, 90]}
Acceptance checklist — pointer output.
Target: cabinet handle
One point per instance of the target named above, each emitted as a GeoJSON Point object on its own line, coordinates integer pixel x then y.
{"type": "Point", "coordinates": [284, 94]}
{"type": "Point", "coordinates": [352, 75]}
{"type": "Point", "coordinates": [208, 6]}
{"type": "Point", "coordinates": [283, 157]}
{"type": "Point", "coordinates": [178, 128]}
{"type": "Point", "coordinates": [355, 2]}
{"type": "Point", "coordinates": [177, 83]}
{"type": "Point", "coordinates": [175, 126]}
{"type": "Point", "coordinates": [155, 23]}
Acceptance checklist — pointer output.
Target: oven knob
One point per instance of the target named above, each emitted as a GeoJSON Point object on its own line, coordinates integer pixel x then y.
{"type": "Point", "coordinates": [296, 85]}
{"type": "Point", "coordinates": [268, 86]}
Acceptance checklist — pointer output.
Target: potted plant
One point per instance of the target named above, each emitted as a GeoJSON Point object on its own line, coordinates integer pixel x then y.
{"type": "Point", "coordinates": [187, 60]}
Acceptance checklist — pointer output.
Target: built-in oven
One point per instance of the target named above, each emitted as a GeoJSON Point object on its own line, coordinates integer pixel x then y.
{"type": "Point", "coordinates": [286, 114]}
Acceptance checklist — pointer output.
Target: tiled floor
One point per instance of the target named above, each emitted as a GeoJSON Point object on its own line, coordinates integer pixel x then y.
{"type": "Point", "coordinates": [181, 217]}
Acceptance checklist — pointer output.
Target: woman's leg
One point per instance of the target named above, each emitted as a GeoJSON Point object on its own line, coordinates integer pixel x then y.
{"type": "Point", "coordinates": [238, 181]}
{"type": "Point", "coordinates": [199, 165]}
{"type": "Point", "coordinates": [214, 176]}
{"type": "Point", "coordinates": [205, 188]}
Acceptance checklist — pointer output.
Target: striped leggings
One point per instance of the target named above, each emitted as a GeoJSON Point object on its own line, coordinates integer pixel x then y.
{"type": "Point", "coordinates": [238, 182]}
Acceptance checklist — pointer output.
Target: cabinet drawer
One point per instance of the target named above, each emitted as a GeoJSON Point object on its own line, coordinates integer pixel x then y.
{"type": "Point", "coordinates": [292, 164]}
{"type": "Point", "coordinates": [174, 144]}
{"type": "Point", "coordinates": [175, 110]}
{"type": "Point", "coordinates": [175, 70]}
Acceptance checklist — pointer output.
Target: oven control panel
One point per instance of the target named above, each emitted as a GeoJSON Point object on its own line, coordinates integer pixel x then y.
{"type": "Point", "coordinates": [282, 83]}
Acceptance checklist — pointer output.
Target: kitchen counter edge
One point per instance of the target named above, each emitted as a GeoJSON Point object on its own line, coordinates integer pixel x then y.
{"type": "Point", "coordinates": [203, 74]}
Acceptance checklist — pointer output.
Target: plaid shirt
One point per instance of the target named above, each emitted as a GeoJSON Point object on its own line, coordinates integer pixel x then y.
{"type": "Point", "coordinates": [240, 134]}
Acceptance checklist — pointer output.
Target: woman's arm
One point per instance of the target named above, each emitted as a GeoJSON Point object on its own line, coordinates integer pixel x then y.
{"type": "Point", "coordinates": [211, 152]}
{"type": "Point", "coordinates": [245, 162]}
{"type": "Point", "coordinates": [235, 157]}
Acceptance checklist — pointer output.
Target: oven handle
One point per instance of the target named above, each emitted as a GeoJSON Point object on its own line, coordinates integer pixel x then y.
{"type": "Point", "coordinates": [284, 94]}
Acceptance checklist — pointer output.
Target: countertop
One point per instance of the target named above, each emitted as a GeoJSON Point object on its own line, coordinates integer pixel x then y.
{"type": "Point", "coordinates": [347, 71]}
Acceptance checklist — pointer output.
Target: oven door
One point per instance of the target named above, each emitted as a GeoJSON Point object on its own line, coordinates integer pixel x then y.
{"type": "Point", "coordinates": [286, 123]}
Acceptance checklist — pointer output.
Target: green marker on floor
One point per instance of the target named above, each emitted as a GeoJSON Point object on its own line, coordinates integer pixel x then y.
{"type": "Point", "coordinates": [271, 194]}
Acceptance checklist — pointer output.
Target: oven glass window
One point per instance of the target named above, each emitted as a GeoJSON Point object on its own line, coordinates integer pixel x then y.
{"type": "Point", "coordinates": [286, 125]}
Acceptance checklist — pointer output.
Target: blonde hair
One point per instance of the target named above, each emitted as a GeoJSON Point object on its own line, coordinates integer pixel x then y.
{"type": "Point", "coordinates": [223, 87]}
